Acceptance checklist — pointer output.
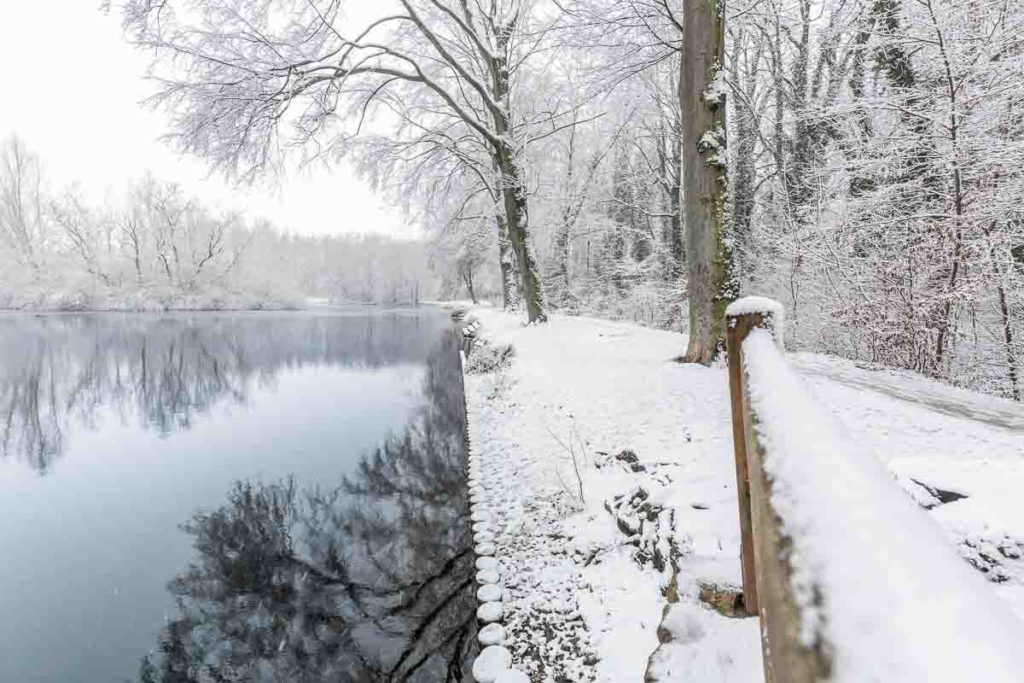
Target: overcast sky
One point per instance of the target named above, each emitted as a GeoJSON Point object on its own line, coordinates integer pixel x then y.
{"type": "Point", "coordinates": [72, 88]}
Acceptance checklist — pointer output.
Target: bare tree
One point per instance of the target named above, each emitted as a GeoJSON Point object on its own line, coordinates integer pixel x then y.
{"type": "Point", "coordinates": [82, 230]}
{"type": "Point", "coordinates": [237, 77]}
{"type": "Point", "coordinates": [23, 229]}
{"type": "Point", "coordinates": [447, 175]}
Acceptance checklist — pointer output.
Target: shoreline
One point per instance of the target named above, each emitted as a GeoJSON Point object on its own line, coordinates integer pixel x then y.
{"type": "Point", "coordinates": [276, 307]}
{"type": "Point", "coordinates": [590, 552]}
{"type": "Point", "coordinates": [610, 473]}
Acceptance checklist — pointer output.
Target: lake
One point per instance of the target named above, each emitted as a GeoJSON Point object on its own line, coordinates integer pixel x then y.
{"type": "Point", "coordinates": [248, 496]}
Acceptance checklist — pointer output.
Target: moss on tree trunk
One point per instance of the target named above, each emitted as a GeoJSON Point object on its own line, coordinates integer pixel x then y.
{"type": "Point", "coordinates": [708, 255]}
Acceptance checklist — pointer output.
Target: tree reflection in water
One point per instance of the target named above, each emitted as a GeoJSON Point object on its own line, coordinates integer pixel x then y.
{"type": "Point", "coordinates": [368, 581]}
{"type": "Point", "coordinates": [164, 370]}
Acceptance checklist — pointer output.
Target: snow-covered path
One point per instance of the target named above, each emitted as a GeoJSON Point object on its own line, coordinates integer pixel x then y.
{"type": "Point", "coordinates": [915, 389]}
{"type": "Point", "coordinates": [965, 447]}
{"type": "Point", "coordinates": [589, 560]}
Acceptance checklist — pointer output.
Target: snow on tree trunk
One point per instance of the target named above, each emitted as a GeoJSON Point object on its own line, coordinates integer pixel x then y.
{"type": "Point", "coordinates": [506, 262]}
{"type": "Point", "coordinates": [513, 187]}
{"type": "Point", "coordinates": [519, 235]}
{"type": "Point", "coordinates": [708, 254]}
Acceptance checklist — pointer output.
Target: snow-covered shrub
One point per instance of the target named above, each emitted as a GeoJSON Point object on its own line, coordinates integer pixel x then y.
{"type": "Point", "coordinates": [485, 359]}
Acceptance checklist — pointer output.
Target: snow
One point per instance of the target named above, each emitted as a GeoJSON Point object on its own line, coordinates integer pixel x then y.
{"type": "Point", "coordinates": [712, 142]}
{"type": "Point", "coordinates": [872, 575]}
{"type": "Point", "coordinates": [490, 612]}
{"type": "Point", "coordinates": [755, 304]}
{"type": "Point", "coordinates": [583, 599]}
{"type": "Point", "coordinates": [487, 577]}
{"type": "Point", "coordinates": [710, 139]}
{"type": "Point", "coordinates": [494, 659]}
{"type": "Point", "coordinates": [929, 434]}
{"type": "Point", "coordinates": [491, 634]}
{"type": "Point", "coordinates": [486, 564]}
{"type": "Point", "coordinates": [489, 592]}
{"type": "Point", "coordinates": [908, 386]}
{"type": "Point", "coordinates": [578, 602]}
{"type": "Point", "coordinates": [771, 309]}
{"type": "Point", "coordinates": [718, 88]}
{"type": "Point", "coordinates": [491, 662]}
{"type": "Point", "coordinates": [704, 647]}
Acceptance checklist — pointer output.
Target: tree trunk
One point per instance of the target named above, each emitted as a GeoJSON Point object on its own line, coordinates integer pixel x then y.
{"type": "Point", "coordinates": [560, 255]}
{"type": "Point", "coordinates": [516, 209]}
{"type": "Point", "coordinates": [947, 324]}
{"type": "Point", "coordinates": [708, 256]}
{"type": "Point", "coordinates": [670, 167]}
{"type": "Point", "coordinates": [1011, 355]}
{"type": "Point", "coordinates": [744, 171]}
{"type": "Point", "coordinates": [676, 209]}
{"type": "Point", "coordinates": [558, 278]}
{"type": "Point", "coordinates": [467, 278]}
{"type": "Point", "coordinates": [800, 163]}
{"type": "Point", "coordinates": [506, 261]}
{"type": "Point", "coordinates": [513, 188]}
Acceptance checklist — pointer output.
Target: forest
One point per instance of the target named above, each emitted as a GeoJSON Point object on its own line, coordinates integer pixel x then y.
{"type": "Point", "coordinates": [157, 248]}
{"type": "Point", "coordinates": [858, 160]}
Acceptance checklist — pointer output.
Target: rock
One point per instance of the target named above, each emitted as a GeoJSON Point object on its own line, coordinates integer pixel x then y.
{"type": "Point", "coordinates": [492, 634]}
{"type": "Point", "coordinates": [940, 496]}
{"type": "Point", "coordinates": [649, 526]}
{"type": "Point", "coordinates": [484, 564]}
{"type": "Point", "coordinates": [487, 576]}
{"type": "Point", "coordinates": [726, 601]}
{"type": "Point", "coordinates": [490, 612]}
{"type": "Point", "coordinates": [492, 661]}
{"type": "Point", "coordinates": [489, 592]}
{"type": "Point", "coordinates": [512, 676]}
{"type": "Point", "coordinates": [514, 525]}
{"type": "Point", "coordinates": [484, 549]}
{"type": "Point", "coordinates": [630, 458]}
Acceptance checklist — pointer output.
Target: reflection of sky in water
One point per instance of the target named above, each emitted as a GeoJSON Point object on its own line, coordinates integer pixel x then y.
{"type": "Point", "coordinates": [91, 539]}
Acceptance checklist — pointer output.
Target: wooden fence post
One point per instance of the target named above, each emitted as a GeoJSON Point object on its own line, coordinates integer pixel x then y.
{"type": "Point", "coordinates": [737, 329]}
{"type": "Point", "coordinates": [767, 575]}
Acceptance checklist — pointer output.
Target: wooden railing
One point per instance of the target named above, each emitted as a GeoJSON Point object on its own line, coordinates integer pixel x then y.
{"type": "Point", "coordinates": [850, 579]}
{"type": "Point", "coordinates": [765, 569]}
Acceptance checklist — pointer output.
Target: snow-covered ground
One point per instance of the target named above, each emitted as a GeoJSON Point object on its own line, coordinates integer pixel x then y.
{"type": "Point", "coordinates": [610, 481]}
{"type": "Point", "coordinates": [941, 443]}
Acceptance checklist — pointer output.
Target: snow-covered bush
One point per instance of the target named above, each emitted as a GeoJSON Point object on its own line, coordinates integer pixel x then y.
{"type": "Point", "coordinates": [485, 359]}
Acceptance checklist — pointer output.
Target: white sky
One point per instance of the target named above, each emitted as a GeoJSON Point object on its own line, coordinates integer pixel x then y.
{"type": "Point", "coordinates": [72, 88]}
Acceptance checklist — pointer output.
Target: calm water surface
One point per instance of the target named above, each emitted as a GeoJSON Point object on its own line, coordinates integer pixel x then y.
{"type": "Point", "coordinates": [233, 497]}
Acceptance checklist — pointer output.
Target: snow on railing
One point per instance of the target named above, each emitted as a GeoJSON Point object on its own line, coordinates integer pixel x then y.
{"type": "Point", "coordinates": [851, 580]}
